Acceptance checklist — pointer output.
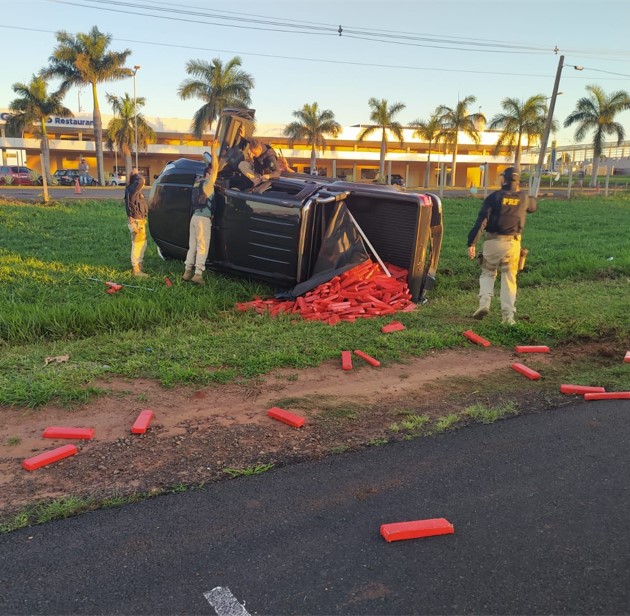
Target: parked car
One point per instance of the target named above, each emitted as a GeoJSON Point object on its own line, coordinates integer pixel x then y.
{"type": "Point", "coordinates": [67, 177]}
{"type": "Point", "coordinates": [296, 230]}
{"type": "Point", "coordinates": [57, 175]}
{"type": "Point", "coordinates": [17, 175]}
{"type": "Point", "coordinates": [395, 179]}
{"type": "Point", "coordinates": [116, 179]}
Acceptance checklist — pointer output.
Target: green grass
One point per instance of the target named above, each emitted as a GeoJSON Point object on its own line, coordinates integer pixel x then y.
{"type": "Point", "coordinates": [377, 442]}
{"type": "Point", "coordinates": [448, 422]}
{"type": "Point", "coordinates": [487, 415]}
{"type": "Point", "coordinates": [258, 469]}
{"type": "Point", "coordinates": [70, 506]}
{"type": "Point", "coordinates": [575, 290]}
{"type": "Point", "coordinates": [410, 423]}
{"type": "Point", "coordinates": [414, 423]}
{"type": "Point", "coordinates": [65, 508]}
{"type": "Point", "coordinates": [414, 426]}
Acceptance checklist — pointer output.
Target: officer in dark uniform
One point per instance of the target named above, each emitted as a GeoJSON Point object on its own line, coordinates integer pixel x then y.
{"type": "Point", "coordinates": [260, 163]}
{"type": "Point", "coordinates": [502, 216]}
{"type": "Point", "coordinates": [266, 163]}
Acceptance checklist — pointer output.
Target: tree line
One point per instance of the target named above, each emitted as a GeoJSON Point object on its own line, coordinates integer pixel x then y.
{"type": "Point", "coordinates": [85, 59]}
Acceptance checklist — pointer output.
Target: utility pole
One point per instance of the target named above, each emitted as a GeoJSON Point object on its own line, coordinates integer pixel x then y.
{"type": "Point", "coordinates": [135, 113]}
{"type": "Point", "coordinates": [548, 123]}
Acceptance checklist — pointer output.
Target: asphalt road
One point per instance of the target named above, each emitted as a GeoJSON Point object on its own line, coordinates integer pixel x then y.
{"type": "Point", "coordinates": [540, 506]}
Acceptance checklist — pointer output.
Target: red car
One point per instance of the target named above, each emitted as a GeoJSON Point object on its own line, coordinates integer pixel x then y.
{"type": "Point", "coordinates": [14, 175]}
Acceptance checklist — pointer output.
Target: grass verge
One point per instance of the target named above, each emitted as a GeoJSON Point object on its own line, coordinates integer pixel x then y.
{"type": "Point", "coordinates": [574, 289]}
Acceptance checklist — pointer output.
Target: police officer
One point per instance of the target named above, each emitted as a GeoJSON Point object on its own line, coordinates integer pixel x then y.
{"type": "Point", "coordinates": [260, 163]}
{"type": "Point", "coordinates": [502, 215]}
{"type": "Point", "coordinates": [137, 211]}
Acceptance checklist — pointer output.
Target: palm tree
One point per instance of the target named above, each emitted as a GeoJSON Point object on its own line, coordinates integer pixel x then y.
{"type": "Point", "coordinates": [430, 131]}
{"type": "Point", "coordinates": [383, 117]}
{"type": "Point", "coordinates": [455, 120]}
{"type": "Point", "coordinates": [85, 60]}
{"type": "Point", "coordinates": [34, 104]}
{"type": "Point", "coordinates": [121, 132]}
{"type": "Point", "coordinates": [597, 113]}
{"type": "Point", "coordinates": [313, 125]}
{"type": "Point", "coordinates": [522, 119]}
{"type": "Point", "coordinates": [219, 85]}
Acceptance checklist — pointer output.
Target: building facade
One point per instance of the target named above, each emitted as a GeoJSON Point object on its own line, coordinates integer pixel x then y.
{"type": "Point", "coordinates": [345, 157]}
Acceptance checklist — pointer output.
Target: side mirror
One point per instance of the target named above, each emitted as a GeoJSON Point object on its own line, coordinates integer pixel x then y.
{"type": "Point", "coordinates": [156, 176]}
{"type": "Point", "coordinates": [207, 157]}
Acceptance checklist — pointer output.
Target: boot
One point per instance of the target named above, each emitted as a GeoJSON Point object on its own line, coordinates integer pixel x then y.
{"type": "Point", "coordinates": [484, 307]}
{"type": "Point", "coordinates": [197, 278]}
{"type": "Point", "coordinates": [481, 312]}
{"type": "Point", "coordinates": [508, 319]}
{"type": "Point", "coordinates": [138, 273]}
{"type": "Point", "coordinates": [188, 274]}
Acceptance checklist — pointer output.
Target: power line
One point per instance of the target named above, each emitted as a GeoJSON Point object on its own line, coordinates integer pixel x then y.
{"type": "Point", "coordinates": [378, 31]}
{"type": "Point", "coordinates": [317, 60]}
{"type": "Point", "coordinates": [171, 17]}
{"type": "Point", "coordinates": [215, 14]}
{"type": "Point", "coordinates": [378, 40]}
{"type": "Point", "coordinates": [298, 58]}
{"type": "Point", "coordinates": [598, 70]}
{"type": "Point", "coordinates": [300, 27]}
{"type": "Point", "coordinates": [328, 29]}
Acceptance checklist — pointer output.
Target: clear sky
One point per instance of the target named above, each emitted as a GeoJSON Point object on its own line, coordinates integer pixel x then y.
{"type": "Point", "coordinates": [419, 52]}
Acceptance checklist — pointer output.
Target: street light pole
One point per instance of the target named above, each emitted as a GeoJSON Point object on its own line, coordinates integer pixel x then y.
{"type": "Point", "coordinates": [116, 154]}
{"type": "Point", "coordinates": [135, 112]}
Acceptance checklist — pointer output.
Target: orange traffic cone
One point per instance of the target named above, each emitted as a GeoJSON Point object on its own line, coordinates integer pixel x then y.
{"type": "Point", "coordinates": [77, 187]}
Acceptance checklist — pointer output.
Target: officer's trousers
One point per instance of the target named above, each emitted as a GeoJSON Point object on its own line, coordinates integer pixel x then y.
{"type": "Point", "coordinates": [500, 253]}
{"type": "Point", "coordinates": [199, 233]}
{"type": "Point", "coordinates": [138, 230]}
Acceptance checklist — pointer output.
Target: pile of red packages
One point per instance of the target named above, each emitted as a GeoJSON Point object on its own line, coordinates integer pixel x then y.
{"type": "Point", "coordinates": [363, 292]}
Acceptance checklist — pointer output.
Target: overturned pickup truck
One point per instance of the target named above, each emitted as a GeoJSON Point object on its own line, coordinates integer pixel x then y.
{"type": "Point", "coordinates": [297, 231]}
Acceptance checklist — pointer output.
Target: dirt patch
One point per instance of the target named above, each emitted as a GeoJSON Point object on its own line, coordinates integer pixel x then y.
{"type": "Point", "coordinates": [199, 432]}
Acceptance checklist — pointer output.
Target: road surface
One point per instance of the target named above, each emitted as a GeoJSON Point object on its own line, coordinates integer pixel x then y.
{"type": "Point", "coordinates": [539, 503]}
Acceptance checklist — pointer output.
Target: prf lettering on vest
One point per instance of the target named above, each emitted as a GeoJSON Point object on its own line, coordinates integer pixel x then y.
{"type": "Point", "coordinates": [512, 201]}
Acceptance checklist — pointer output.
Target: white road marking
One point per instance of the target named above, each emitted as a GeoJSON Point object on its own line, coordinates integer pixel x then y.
{"type": "Point", "coordinates": [224, 602]}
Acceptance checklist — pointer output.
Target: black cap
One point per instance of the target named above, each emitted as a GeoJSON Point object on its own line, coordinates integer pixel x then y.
{"type": "Point", "coordinates": [510, 175]}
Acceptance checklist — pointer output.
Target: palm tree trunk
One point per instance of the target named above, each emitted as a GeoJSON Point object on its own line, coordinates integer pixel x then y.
{"type": "Point", "coordinates": [595, 168]}
{"type": "Point", "coordinates": [313, 160]}
{"type": "Point", "coordinates": [517, 157]}
{"type": "Point", "coordinates": [45, 152]}
{"type": "Point", "coordinates": [454, 164]}
{"type": "Point", "coordinates": [427, 170]}
{"type": "Point", "coordinates": [381, 169]}
{"type": "Point", "coordinates": [98, 137]}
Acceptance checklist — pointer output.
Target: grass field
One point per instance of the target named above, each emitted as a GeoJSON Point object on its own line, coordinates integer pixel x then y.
{"type": "Point", "coordinates": [576, 289]}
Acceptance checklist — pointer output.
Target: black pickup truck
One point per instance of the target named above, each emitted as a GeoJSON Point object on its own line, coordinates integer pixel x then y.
{"type": "Point", "coordinates": [297, 230]}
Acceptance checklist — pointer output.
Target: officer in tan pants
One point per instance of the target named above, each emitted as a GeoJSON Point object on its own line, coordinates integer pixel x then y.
{"type": "Point", "coordinates": [136, 207]}
{"type": "Point", "coordinates": [502, 216]}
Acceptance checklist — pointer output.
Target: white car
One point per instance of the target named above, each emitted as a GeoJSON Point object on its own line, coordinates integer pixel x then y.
{"type": "Point", "coordinates": [117, 179]}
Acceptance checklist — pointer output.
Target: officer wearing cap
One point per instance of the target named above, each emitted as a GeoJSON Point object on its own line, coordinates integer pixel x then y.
{"type": "Point", "coordinates": [260, 163]}
{"type": "Point", "coordinates": [502, 216]}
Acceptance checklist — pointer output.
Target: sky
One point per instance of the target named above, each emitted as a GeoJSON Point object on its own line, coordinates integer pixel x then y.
{"type": "Point", "coordinates": [417, 52]}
